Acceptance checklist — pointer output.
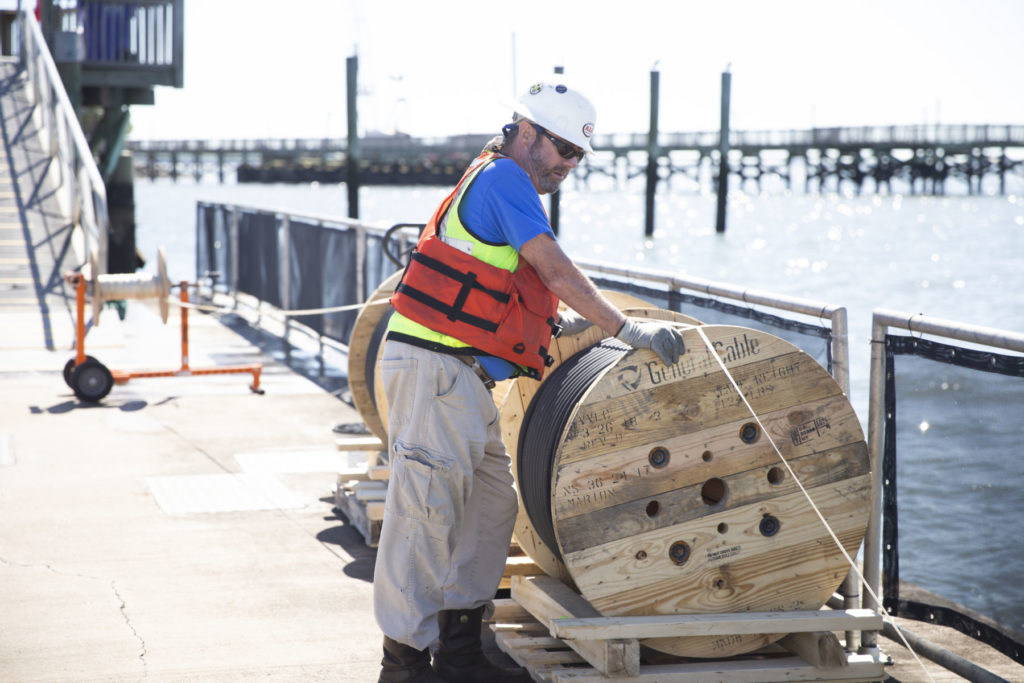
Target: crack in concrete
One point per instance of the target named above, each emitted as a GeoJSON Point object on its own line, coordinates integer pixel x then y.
{"type": "Point", "coordinates": [128, 622]}
{"type": "Point", "coordinates": [122, 605]}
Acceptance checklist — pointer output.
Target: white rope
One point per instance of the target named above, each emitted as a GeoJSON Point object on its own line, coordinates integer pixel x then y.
{"type": "Point", "coordinates": [853, 565]}
{"type": "Point", "coordinates": [308, 311]}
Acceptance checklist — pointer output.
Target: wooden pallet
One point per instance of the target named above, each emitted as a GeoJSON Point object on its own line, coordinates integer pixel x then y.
{"type": "Point", "coordinates": [359, 494]}
{"type": "Point", "coordinates": [362, 503]}
{"type": "Point", "coordinates": [556, 635]}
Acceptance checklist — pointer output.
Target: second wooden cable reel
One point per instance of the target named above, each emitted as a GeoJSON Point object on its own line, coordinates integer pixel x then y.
{"type": "Point", "coordinates": [652, 490]}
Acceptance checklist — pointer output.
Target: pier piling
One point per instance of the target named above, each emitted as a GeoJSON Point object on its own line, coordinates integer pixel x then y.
{"type": "Point", "coordinates": [652, 156]}
{"type": "Point", "coordinates": [352, 150]}
{"type": "Point", "coordinates": [723, 153]}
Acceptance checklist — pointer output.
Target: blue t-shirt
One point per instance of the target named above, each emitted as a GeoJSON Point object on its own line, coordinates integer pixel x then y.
{"type": "Point", "coordinates": [502, 207]}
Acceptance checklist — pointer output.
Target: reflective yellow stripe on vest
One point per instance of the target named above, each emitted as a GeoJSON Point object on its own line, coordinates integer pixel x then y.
{"type": "Point", "coordinates": [454, 233]}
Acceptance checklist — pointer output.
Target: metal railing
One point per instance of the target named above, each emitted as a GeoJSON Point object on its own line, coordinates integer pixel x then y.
{"type": "Point", "coordinates": [882, 321]}
{"type": "Point", "coordinates": [293, 263]}
{"type": "Point", "coordinates": [219, 224]}
{"type": "Point", "coordinates": [80, 189]}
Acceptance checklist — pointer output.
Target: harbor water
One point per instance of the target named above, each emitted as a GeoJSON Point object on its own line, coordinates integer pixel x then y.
{"type": "Point", "coordinates": [955, 256]}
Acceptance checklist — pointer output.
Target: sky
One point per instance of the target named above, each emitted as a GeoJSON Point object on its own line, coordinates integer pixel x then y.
{"type": "Point", "coordinates": [261, 69]}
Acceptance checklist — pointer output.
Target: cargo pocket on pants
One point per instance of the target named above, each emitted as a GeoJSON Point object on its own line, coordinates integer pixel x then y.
{"type": "Point", "coordinates": [420, 489]}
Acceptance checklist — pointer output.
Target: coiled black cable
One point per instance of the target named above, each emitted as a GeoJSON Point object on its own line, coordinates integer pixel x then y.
{"type": "Point", "coordinates": [542, 428]}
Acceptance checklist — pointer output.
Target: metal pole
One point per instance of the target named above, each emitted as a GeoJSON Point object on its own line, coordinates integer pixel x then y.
{"type": "Point", "coordinates": [285, 254]}
{"type": "Point", "coordinates": [352, 153]}
{"type": "Point", "coordinates": [850, 589]}
{"type": "Point", "coordinates": [876, 435]}
{"type": "Point", "coordinates": [652, 156]}
{"type": "Point", "coordinates": [723, 153]}
{"type": "Point", "coordinates": [553, 205]}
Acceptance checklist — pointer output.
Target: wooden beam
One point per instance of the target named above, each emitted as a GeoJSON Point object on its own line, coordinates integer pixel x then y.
{"type": "Point", "coordinates": [549, 600]}
{"type": "Point", "coordinates": [674, 625]}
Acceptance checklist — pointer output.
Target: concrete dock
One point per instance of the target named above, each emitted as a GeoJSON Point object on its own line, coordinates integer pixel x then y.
{"type": "Point", "coordinates": [183, 528]}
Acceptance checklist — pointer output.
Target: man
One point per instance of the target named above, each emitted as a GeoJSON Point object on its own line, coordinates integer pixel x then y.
{"type": "Point", "coordinates": [478, 302]}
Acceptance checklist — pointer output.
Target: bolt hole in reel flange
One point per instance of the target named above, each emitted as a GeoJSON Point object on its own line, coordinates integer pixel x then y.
{"type": "Point", "coordinates": [627, 467]}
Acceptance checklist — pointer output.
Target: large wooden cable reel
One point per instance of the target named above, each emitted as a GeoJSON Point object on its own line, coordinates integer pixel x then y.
{"type": "Point", "coordinates": [653, 490]}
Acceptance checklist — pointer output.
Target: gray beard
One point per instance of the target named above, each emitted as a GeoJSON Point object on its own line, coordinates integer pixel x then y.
{"type": "Point", "coordinates": [547, 185]}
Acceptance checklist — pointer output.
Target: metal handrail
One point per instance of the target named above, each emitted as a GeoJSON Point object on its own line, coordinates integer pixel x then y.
{"type": "Point", "coordinates": [80, 188]}
{"type": "Point", "coordinates": [882, 320]}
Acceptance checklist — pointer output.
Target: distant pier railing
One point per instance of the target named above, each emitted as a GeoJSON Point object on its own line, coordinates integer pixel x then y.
{"type": "Point", "coordinates": [924, 156]}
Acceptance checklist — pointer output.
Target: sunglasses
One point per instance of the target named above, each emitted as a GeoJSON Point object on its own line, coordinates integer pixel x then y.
{"type": "Point", "coordinates": [564, 149]}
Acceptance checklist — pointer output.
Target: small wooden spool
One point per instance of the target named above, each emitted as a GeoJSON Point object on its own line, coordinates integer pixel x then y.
{"type": "Point", "coordinates": [666, 498]}
{"type": "Point", "coordinates": [115, 287]}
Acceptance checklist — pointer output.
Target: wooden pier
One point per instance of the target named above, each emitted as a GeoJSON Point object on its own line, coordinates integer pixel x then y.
{"type": "Point", "coordinates": [868, 158]}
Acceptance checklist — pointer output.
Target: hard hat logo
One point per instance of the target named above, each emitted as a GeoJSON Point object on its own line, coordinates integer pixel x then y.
{"type": "Point", "coordinates": [536, 88]}
{"type": "Point", "coordinates": [588, 130]}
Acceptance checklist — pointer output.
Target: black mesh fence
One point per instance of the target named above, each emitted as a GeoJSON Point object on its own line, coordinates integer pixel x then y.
{"type": "Point", "coordinates": [328, 265]}
{"type": "Point", "coordinates": [341, 278]}
{"type": "Point", "coordinates": [306, 272]}
{"type": "Point", "coordinates": [258, 257]}
{"type": "Point", "coordinates": [325, 263]}
{"type": "Point", "coordinates": [953, 466]}
{"type": "Point", "coordinates": [213, 245]}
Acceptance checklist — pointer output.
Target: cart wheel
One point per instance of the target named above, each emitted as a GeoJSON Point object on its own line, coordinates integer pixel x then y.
{"type": "Point", "coordinates": [69, 366]}
{"type": "Point", "coordinates": [91, 380]}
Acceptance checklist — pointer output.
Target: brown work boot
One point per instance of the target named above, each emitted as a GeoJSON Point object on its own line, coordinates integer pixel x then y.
{"type": "Point", "coordinates": [404, 664]}
{"type": "Point", "coordinates": [460, 659]}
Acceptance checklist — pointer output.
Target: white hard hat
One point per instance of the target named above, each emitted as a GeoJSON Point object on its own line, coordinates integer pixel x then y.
{"type": "Point", "coordinates": [562, 110]}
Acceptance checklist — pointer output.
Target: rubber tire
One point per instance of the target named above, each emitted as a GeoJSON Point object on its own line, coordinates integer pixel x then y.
{"type": "Point", "coordinates": [91, 381]}
{"type": "Point", "coordinates": [69, 366]}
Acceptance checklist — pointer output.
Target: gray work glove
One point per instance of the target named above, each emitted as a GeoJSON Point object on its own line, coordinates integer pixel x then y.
{"type": "Point", "coordinates": [662, 338]}
{"type": "Point", "coordinates": [572, 323]}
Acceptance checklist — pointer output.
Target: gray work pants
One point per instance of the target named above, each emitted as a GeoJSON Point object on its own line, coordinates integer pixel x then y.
{"type": "Point", "coordinates": [451, 505]}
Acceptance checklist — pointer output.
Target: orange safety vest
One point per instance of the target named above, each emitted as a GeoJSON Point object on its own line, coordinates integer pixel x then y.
{"type": "Point", "coordinates": [503, 313]}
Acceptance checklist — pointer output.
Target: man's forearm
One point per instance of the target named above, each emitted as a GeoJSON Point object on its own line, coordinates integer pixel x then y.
{"type": "Point", "coordinates": [571, 285]}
